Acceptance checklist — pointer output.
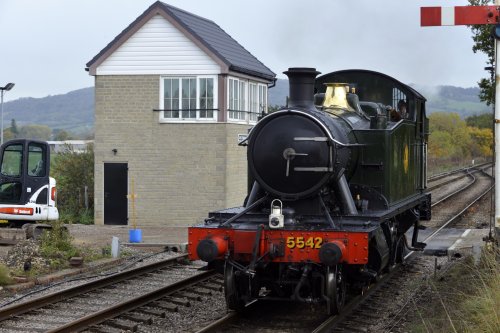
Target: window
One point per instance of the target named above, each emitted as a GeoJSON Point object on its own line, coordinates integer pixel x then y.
{"type": "Point", "coordinates": [262, 98]}
{"type": "Point", "coordinates": [36, 160]}
{"type": "Point", "coordinates": [188, 103]}
{"type": "Point", "coordinates": [206, 98]}
{"type": "Point", "coordinates": [188, 98]}
{"type": "Point", "coordinates": [243, 91]}
{"type": "Point", "coordinates": [12, 160]}
{"type": "Point", "coordinates": [12, 163]}
{"type": "Point", "coordinates": [254, 102]}
{"type": "Point", "coordinates": [400, 103]}
{"type": "Point", "coordinates": [246, 98]}
{"type": "Point", "coordinates": [237, 101]}
{"type": "Point", "coordinates": [258, 100]}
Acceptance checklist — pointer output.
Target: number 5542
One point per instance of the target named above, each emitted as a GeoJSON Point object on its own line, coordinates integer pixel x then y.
{"type": "Point", "coordinates": [302, 242]}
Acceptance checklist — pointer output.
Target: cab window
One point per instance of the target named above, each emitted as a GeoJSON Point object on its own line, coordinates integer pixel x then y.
{"type": "Point", "coordinates": [36, 160]}
{"type": "Point", "coordinates": [12, 160]}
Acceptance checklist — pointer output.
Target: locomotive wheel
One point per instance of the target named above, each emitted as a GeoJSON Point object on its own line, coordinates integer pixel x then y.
{"type": "Point", "coordinates": [335, 290]}
{"type": "Point", "coordinates": [232, 289]}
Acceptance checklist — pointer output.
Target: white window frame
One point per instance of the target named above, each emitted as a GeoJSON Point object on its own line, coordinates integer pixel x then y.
{"type": "Point", "coordinates": [238, 102]}
{"type": "Point", "coordinates": [196, 119]}
{"type": "Point", "coordinates": [252, 98]}
{"type": "Point", "coordinates": [262, 98]}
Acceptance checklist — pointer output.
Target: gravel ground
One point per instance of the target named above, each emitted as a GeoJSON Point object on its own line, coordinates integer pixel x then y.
{"type": "Point", "coordinates": [97, 238]}
{"type": "Point", "coordinates": [138, 258]}
{"type": "Point", "coordinates": [94, 301]}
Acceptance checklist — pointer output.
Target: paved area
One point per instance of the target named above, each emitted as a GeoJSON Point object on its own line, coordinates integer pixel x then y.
{"type": "Point", "coordinates": [101, 235]}
{"type": "Point", "coordinates": [454, 242]}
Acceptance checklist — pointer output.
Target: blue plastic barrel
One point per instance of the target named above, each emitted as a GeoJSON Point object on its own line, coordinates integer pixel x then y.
{"type": "Point", "coordinates": [135, 235]}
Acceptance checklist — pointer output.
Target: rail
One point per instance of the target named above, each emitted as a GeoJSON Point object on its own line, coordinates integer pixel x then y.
{"type": "Point", "coordinates": [19, 309]}
{"type": "Point", "coordinates": [123, 307]}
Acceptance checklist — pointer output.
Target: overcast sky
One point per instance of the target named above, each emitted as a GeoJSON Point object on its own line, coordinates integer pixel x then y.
{"type": "Point", "coordinates": [45, 44]}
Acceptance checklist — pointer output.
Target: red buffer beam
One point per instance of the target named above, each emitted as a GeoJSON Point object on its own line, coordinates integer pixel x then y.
{"type": "Point", "coordinates": [459, 15]}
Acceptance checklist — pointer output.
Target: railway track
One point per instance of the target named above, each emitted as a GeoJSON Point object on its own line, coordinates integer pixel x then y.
{"type": "Point", "coordinates": [122, 301]}
{"type": "Point", "coordinates": [364, 312]}
{"type": "Point", "coordinates": [450, 177]}
{"type": "Point", "coordinates": [458, 200]}
{"type": "Point", "coordinates": [152, 298]}
{"type": "Point", "coordinates": [447, 174]}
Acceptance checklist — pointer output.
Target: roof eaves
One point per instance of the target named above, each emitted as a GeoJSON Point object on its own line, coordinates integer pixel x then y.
{"type": "Point", "coordinates": [247, 71]}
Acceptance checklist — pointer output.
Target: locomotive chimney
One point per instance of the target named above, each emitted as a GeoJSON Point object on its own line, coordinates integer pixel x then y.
{"type": "Point", "coordinates": [301, 82]}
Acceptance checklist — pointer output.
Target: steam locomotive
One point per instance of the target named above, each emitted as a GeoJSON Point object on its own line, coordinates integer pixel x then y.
{"type": "Point", "coordinates": [335, 184]}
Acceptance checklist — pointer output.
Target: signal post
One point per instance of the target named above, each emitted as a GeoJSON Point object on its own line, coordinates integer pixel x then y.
{"type": "Point", "coordinates": [474, 15]}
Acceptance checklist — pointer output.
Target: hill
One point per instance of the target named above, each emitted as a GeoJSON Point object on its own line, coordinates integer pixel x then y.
{"type": "Point", "coordinates": [73, 111]}
{"type": "Point", "coordinates": [464, 101]}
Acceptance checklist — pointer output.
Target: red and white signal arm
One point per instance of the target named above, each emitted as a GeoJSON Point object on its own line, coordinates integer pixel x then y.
{"type": "Point", "coordinates": [458, 15]}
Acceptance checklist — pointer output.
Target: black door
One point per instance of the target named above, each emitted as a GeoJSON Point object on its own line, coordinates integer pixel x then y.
{"type": "Point", "coordinates": [115, 193]}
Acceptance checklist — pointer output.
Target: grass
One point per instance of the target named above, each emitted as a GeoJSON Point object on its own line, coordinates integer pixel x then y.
{"type": "Point", "coordinates": [465, 299]}
{"type": "Point", "coordinates": [4, 275]}
{"type": "Point", "coordinates": [56, 248]}
{"type": "Point", "coordinates": [483, 307]}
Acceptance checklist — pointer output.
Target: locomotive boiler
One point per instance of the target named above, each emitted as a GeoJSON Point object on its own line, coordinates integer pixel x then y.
{"type": "Point", "coordinates": [336, 180]}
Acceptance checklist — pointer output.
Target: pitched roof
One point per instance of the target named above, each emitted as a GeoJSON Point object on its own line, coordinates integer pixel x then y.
{"type": "Point", "coordinates": [207, 33]}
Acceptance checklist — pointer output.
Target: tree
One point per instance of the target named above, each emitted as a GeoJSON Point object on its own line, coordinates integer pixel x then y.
{"type": "Point", "coordinates": [449, 137]}
{"type": "Point", "coordinates": [8, 135]}
{"type": "Point", "coordinates": [61, 135]}
{"type": "Point", "coordinates": [74, 172]}
{"type": "Point", "coordinates": [13, 128]}
{"type": "Point", "coordinates": [482, 142]}
{"type": "Point", "coordinates": [441, 145]}
{"type": "Point", "coordinates": [36, 132]}
{"type": "Point", "coordinates": [484, 42]}
{"type": "Point", "coordinates": [484, 120]}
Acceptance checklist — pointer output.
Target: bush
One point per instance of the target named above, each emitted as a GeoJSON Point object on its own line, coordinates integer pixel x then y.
{"type": "Point", "coordinates": [57, 246]}
{"type": "Point", "coordinates": [74, 173]}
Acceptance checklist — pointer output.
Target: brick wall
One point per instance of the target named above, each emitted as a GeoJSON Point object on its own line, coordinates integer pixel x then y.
{"type": "Point", "coordinates": [181, 171]}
